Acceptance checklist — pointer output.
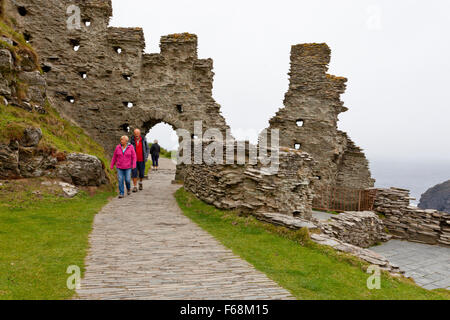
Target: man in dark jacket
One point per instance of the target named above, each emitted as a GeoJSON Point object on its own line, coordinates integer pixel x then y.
{"type": "Point", "coordinates": [155, 150]}
{"type": "Point", "coordinates": [140, 145]}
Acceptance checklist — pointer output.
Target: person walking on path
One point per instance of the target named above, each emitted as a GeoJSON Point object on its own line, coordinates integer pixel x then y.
{"type": "Point", "coordinates": [155, 150]}
{"type": "Point", "coordinates": [124, 159]}
{"type": "Point", "coordinates": [141, 147]}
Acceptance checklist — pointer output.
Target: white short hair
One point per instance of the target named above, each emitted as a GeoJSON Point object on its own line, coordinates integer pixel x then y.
{"type": "Point", "coordinates": [156, 141]}
{"type": "Point", "coordinates": [125, 137]}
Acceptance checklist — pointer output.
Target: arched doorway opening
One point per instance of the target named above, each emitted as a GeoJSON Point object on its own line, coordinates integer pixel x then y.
{"type": "Point", "coordinates": [168, 140]}
{"type": "Point", "coordinates": [166, 136]}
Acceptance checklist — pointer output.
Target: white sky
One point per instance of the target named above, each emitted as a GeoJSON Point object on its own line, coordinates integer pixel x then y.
{"type": "Point", "coordinates": [395, 54]}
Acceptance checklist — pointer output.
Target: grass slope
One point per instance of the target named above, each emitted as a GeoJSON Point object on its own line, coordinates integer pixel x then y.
{"type": "Point", "coordinates": [40, 236]}
{"type": "Point", "coordinates": [58, 134]}
{"type": "Point", "coordinates": [307, 270]}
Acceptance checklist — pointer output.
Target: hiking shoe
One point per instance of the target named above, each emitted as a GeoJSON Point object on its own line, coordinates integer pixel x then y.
{"type": "Point", "coordinates": [129, 192]}
{"type": "Point", "coordinates": [141, 186]}
{"type": "Point", "coordinates": [121, 196]}
{"type": "Point", "coordinates": [135, 190]}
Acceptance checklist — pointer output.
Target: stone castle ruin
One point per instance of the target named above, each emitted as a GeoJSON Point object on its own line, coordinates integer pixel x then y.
{"type": "Point", "coordinates": [100, 78]}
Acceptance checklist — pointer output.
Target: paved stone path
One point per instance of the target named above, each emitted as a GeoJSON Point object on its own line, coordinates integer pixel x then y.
{"type": "Point", "coordinates": [143, 247]}
{"type": "Point", "coordinates": [428, 265]}
{"type": "Point", "coordinates": [322, 216]}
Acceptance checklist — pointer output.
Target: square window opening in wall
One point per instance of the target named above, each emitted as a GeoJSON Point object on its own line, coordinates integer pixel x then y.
{"type": "Point", "coordinates": [46, 68]}
{"type": "Point", "coordinates": [75, 43]}
{"type": "Point", "coordinates": [22, 11]}
{"type": "Point", "coordinates": [319, 178]}
{"type": "Point", "coordinates": [194, 137]}
{"type": "Point", "coordinates": [127, 77]}
{"type": "Point", "coordinates": [70, 99]}
{"type": "Point", "coordinates": [298, 146]}
{"type": "Point", "coordinates": [300, 122]}
{"type": "Point", "coordinates": [118, 50]}
{"type": "Point", "coordinates": [27, 37]}
{"type": "Point", "coordinates": [180, 108]}
{"type": "Point", "coordinates": [83, 74]}
{"type": "Point", "coordinates": [87, 22]}
{"type": "Point", "coordinates": [128, 104]}
{"type": "Point", "coordinates": [125, 127]}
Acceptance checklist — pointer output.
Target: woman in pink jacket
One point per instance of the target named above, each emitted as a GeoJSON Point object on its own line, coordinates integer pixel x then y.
{"type": "Point", "coordinates": [124, 159]}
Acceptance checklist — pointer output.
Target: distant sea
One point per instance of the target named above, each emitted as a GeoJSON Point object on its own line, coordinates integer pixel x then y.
{"type": "Point", "coordinates": [417, 176]}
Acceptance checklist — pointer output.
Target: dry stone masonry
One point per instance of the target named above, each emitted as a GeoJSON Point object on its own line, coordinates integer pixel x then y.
{"type": "Point", "coordinates": [256, 187]}
{"type": "Point", "coordinates": [362, 229]}
{"type": "Point", "coordinates": [100, 78]}
{"type": "Point", "coordinates": [309, 119]}
{"type": "Point", "coordinates": [411, 223]}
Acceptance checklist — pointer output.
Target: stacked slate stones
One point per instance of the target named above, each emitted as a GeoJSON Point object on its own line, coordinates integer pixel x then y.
{"type": "Point", "coordinates": [362, 229]}
{"type": "Point", "coordinates": [410, 223]}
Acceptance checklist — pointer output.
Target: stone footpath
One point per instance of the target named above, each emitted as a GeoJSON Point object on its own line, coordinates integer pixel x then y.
{"type": "Point", "coordinates": [143, 247]}
{"type": "Point", "coordinates": [428, 265]}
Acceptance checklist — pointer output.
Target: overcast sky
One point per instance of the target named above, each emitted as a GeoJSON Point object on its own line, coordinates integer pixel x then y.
{"type": "Point", "coordinates": [394, 53]}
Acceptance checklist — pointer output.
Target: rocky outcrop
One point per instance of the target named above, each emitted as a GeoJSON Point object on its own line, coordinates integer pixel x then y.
{"type": "Point", "coordinates": [411, 223]}
{"type": "Point", "coordinates": [82, 170]}
{"type": "Point", "coordinates": [363, 229]}
{"type": "Point", "coordinates": [437, 197]}
{"type": "Point", "coordinates": [24, 158]}
{"type": "Point", "coordinates": [21, 84]}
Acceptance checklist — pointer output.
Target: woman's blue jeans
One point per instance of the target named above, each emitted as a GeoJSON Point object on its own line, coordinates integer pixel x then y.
{"type": "Point", "coordinates": [124, 175]}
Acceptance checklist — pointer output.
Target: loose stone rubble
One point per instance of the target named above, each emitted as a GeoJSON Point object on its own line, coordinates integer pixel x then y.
{"type": "Point", "coordinates": [69, 190]}
{"type": "Point", "coordinates": [411, 223]}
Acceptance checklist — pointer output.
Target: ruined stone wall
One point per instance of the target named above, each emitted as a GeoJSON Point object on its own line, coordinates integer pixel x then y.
{"type": "Point", "coordinates": [96, 84]}
{"type": "Point", "coordinates": [256, 188]}
{"type": "Point", "coordinates": [410, 223]}
{"type": "Point", "coordinates": [100, 77]}
{"type": "Point", "coordinates": [309, 119]}
{"type": "Point", "coordinates": [363, 229]}
{"type": "Point", "coordinates": [21, 154]}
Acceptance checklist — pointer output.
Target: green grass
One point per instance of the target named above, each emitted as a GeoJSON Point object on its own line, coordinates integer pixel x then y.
{"type": "Point", "coordinates": [58, 134]}
{"type": "Point", "coordinates": [40, 236]}
{"type": "Point", "coordinates": [307, 270]}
